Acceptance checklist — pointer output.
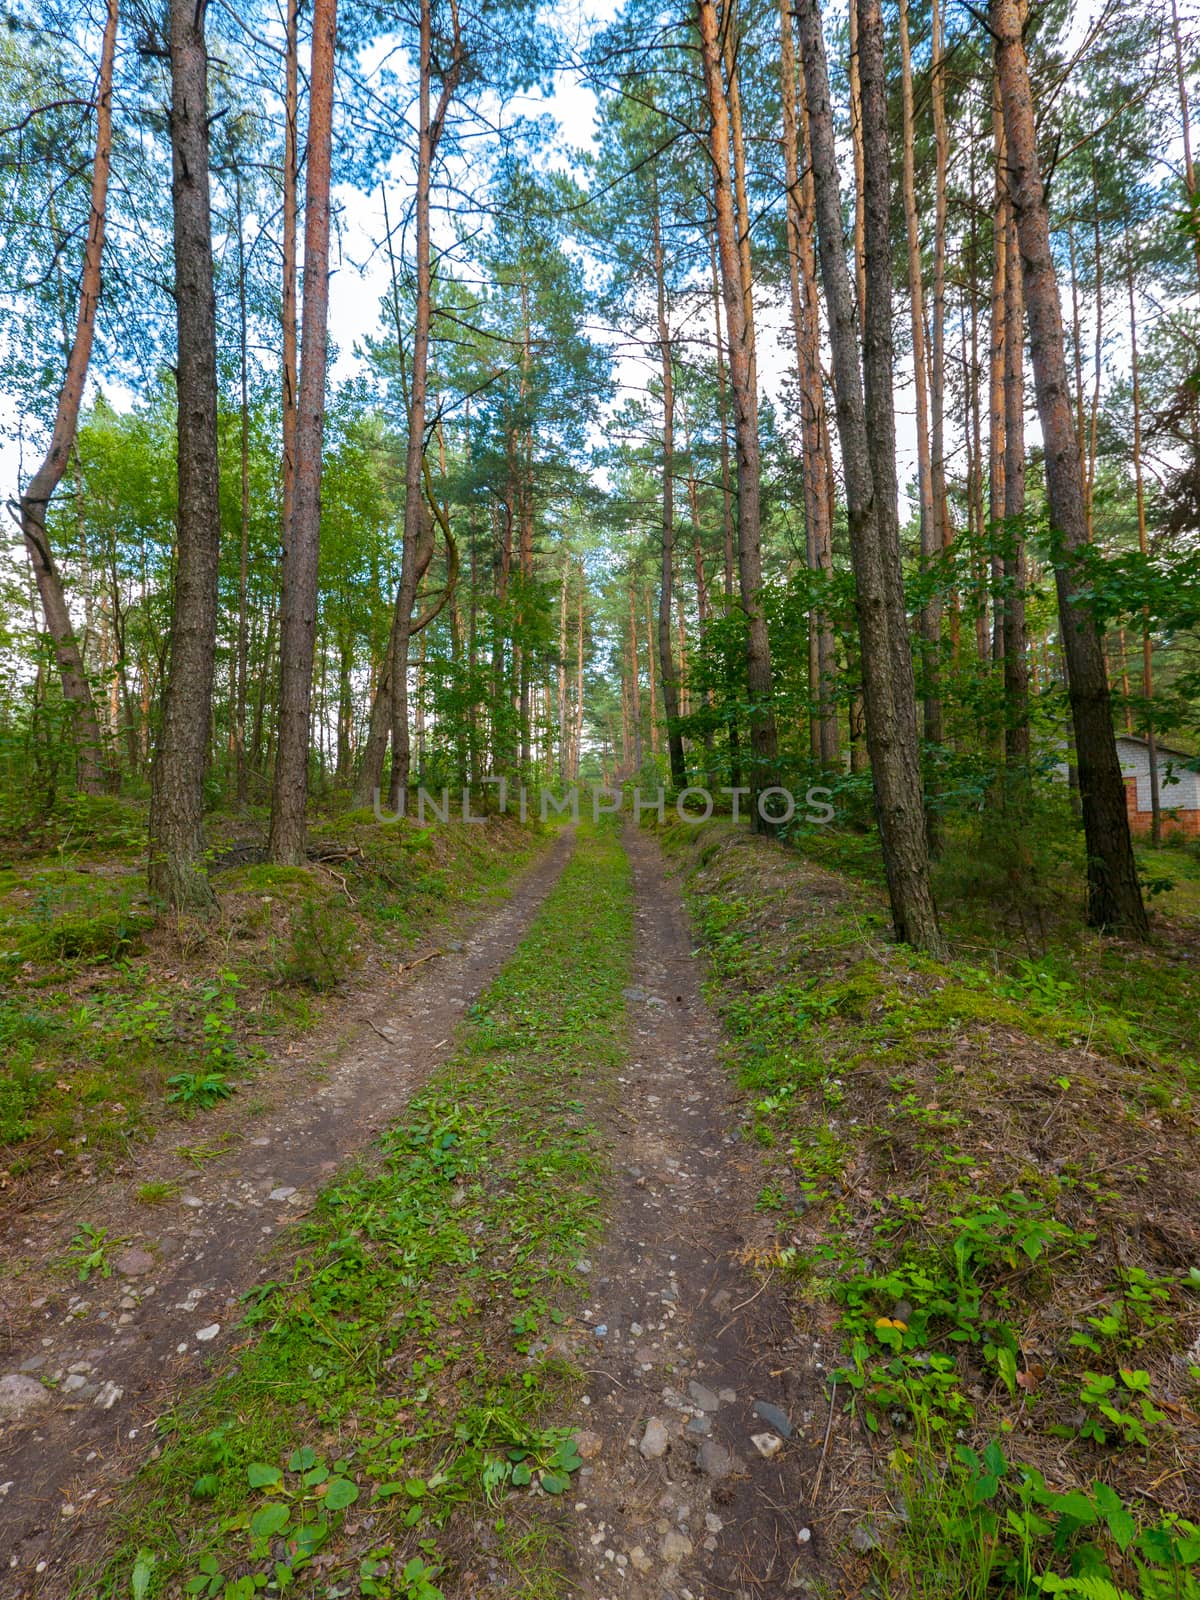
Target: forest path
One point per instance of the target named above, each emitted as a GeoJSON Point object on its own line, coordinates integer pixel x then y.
{"type": "Point", "coordinates": [708, 1411]}
{"type": "Point", "coordinates": [120, 1349]}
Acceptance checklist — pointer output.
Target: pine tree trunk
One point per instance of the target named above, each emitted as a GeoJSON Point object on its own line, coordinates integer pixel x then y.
{"type": "Point", "coordinates": [635, 669]}
{"type": "Point", "coordinates": [1114, 894]}
{"type": "Point", "coordinates": [429, 130]}
{"type": "Point", "coordinates": [735, 760]}
{"type": "Point", "coordinates": [888, 691]}
{"type": "Point", "coordinates": [745, 401]}
{"type": "Point", "coordinates": [301, 548]}
{"type": "Point", "coordinates": [91, 775]}
{"type": "Point", "coordinates": [931, 545]}
{"type": "Point", "coordinates": [1143, 546]}
{"type": "Point", "coordinates": [176, 861]}
{"type": "Point", "coordinates": [291, 181]}
{"type": "Point", "coordinates": [818, 500]}
{"type": "Point", "coordinates": [241, 774]}
{"type": "Point", "coordinates": [1016, 665]}
{"type": "Point", "coordinates": [670, 678]}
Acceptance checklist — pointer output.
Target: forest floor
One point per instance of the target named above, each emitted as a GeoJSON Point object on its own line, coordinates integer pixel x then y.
{"type": "Point", "coordinates": [670, 1235]}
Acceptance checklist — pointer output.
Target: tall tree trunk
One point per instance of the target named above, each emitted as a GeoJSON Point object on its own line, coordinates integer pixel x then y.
{"type": "Point", "coordinates": [176, 860]}
{"type": "Point", "coordinates": [1144, 547]}
{"type": "Point", "coordinates": [291, 182]}
{"type": "Point", "coordinates": [818, 498]}
{"type": "Point", "coordinates": [670, 678]}
{"type": "Point", "coordinates": [35, 500]}
{"type": "Point", "coordinates": [860, 187]}
{"type": "Point", "coordinates": [997, 455]}
{"type": "Point", "coordinates": [937, 376]}
{"type": "Point", "coordinates": [930, 615]}
{"type": "Point", "coordinates": [301, 548]}
{"type": "Point", "coordinates": [1114, 894]}
{"type": "Point", "coordinates": [578, 736]}
{"type": "Point", "coordinates": [562, 671]}
{"type": "Point", "coordinates": [745, 401]}
{"type": "Point", "coordinates": [430, 122]}
{"type": "Point", "coordinates": [1016, 665]}
{"type": "Point", "coordinates": [888, 690]}
{"type": "Point", "coordinates": [931, 544]}
{"type": "Point", "coordinates": [1185, 117]}
{"type": "Point", "coordinates": [241, 774]}
{"type": "Point", "coordinates": [651, 678]}
{"type": "Point", "coordinates": [735, 758]}
{"type": "Point", "coordinates": [635, 669]}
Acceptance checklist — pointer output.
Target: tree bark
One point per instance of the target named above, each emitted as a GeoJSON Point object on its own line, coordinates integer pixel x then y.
{"type": "Point", "coordinates": [735, 758]}
{"type": "Point", "coordinates": [291, 180]}
{"type": "Point", "coordinates": [431, 121]}
{"type": "Point", "coordinates": [1144, 547]}
{"type": "Point", "coordinates": [745, 400]}
{"type": "Point", "coordinates": [670, 678]}
{"type": "Point", "coordinates": [888, 690]}
{"type": "Point", "coordinates": [176, 861]}
{"type": "Point", "coordinates": [1114, 894]}
{"type": "Point", "coordinates": [241, 774]}
{"type": "Point", "coordinates": [1016, 665]}
{"type": "Point", "coordinates": [301, 547]}
{"type": "Point", "coordinates": [818, 499]}
{"type": "Point", "coordinates": [34, 502]}
{"type": "Point", "coordinates": [931, 610]}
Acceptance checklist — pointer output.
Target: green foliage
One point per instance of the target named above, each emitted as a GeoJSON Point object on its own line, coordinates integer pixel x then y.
{"type": "Point", "coordinates": [90, 1252]}
{"type": "Point", "coordinates": [887, 1182]}
{"type": "Point", "coordinates": [321, 947]}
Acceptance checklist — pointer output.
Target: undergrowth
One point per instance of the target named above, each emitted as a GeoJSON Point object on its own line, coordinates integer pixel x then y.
{"type": "Point", "coordinates": [398, 1395]}
{"type": "Point", "coordinates": [112, 1015]}
{"type": "Point", "coordinates": [986, 1176]}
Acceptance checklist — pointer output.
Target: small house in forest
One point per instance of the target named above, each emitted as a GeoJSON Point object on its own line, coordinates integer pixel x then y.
{"type": "Point", "coordinates": [1178, 787]}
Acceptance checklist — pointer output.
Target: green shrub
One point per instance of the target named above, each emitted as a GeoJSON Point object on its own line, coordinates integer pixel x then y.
{"type": "Point", "coordinates": [321, 949]}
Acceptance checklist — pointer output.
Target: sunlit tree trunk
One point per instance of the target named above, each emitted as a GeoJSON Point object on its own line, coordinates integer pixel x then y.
{"type": "Point", "coordinates": [818, 499]}
{"type": "Point", "coordinates": [931, 544]}
{"type": "Point", "coordinates": [889, 693]}
{"type": "Point", "coordinates": [1189, 170]}
{"type": "Point", "coordinates": [1016, 666]}
{"type": "Point", "coordinates": [430, 123]}
{"type": "Point", "coordinates": [670, 677]}
{"type": "Point", "coordinates": [291, 181]}
{"type": "Point", "coordinates": [635, 682]}
{"type": "Point", "coordinates": [1144, 547]}
{"type": "Point", "coordinates": [745, 401]}
{"type": "Point", "coordinates": [735, 762]}
{"type": "Point", "coordinates": [298, 595]}
{"type": "Point", "coordinates": [241, 773]}
{"type": "Point", "coordinates": [35, 499]}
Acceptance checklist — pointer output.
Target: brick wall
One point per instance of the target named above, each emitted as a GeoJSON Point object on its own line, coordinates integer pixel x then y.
{"type": "Point", "coordinates": [1181, 825]}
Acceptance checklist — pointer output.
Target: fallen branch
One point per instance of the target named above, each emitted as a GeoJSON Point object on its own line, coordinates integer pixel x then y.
{"type": "Point", "coordinates": [816, 1488]}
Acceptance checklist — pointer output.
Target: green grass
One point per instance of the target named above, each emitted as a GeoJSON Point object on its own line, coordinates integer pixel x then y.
{"type": "Point", "coordinates": [404, 1352]}
{"type": "Point", "coordinates": [956, 1157]}
{"type": "Point", "coordinates": [108, 1017]}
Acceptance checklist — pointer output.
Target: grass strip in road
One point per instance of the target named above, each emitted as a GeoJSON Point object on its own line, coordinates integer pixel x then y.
{"type": "Point", "coordinates": [396, 1408]}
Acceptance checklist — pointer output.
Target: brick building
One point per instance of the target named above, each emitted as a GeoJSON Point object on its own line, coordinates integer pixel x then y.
{"type": "Point", "coordinates": [1178, 788]}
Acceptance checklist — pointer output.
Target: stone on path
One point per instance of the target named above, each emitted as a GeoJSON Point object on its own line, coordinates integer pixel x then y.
{"type": "Point", "coordinates": [19, 1395]}
{"type": "Point", "coordinates": [715, 1461]}
{"type": "Point", "coordinates": [703, 1397]}
{"type": "Point", "coordinates": [134, 1262]}
{"type": "Point", "coordinates": [774, 1417]}
{"type": "Point", "coordinates": [654, 1441]}
{"type": "Point", "coordinates": [675, 1547]}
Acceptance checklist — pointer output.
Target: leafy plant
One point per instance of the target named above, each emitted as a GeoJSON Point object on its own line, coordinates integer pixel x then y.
{"type": "Point", "coordinates": [90, 1252]}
